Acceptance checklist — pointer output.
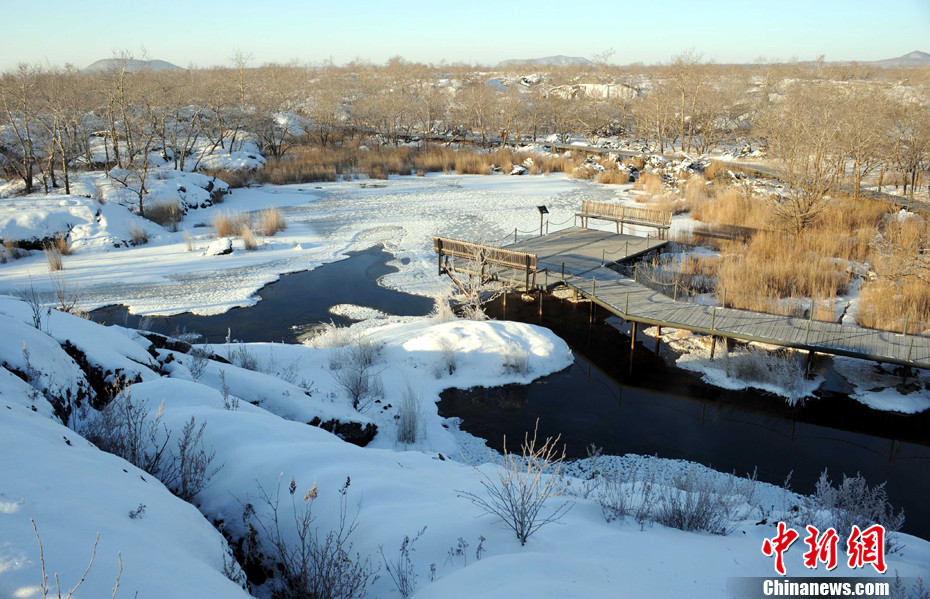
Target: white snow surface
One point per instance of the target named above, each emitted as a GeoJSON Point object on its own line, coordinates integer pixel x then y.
{"type": "Point", "coordinates": [325, 220]}
{"type": "Point", "coordinates": [73, 491]}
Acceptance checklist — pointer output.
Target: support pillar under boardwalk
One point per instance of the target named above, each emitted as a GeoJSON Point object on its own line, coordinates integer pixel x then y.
{"type": "Point", "coordinates": [633, 338]}
{"type": "Point", "coordinates": [658, 336]}
{"type": "Point", "coordinates": [713, 345]}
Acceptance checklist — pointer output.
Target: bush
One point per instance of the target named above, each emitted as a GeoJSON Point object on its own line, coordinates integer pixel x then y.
{"type": "Point", "coordinates": [125, 428]}
{"type": "Point", "coordinates": [699, 500]}
{"type": "Point", "coordinates": [852, 502]}
{"type": "Point", "coordinates": [409, 418]}
{"type": "Point", "coordinates": [782, 369]}
{"type": "Point", "coordinates": [352, 368]}
{"type": "Point", "coordinates": [516, 359]}
{"type": "Point", "coordinates": [227, 224]}
{"type": "Point", "coordinates": [523, 486]}
{"type": "Point", "coordinates": [304, 562]}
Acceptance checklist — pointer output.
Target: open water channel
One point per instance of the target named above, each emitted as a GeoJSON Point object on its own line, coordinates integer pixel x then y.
{"type": "Point", "coordinates": [620, 400]}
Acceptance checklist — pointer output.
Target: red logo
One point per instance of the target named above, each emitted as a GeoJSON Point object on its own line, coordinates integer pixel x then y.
{"type": "Point", "coordinates": [862, 547]}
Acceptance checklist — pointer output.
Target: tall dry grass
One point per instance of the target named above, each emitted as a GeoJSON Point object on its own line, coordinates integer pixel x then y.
{"type": "Point", "coordinates": [772, 268]}
{"type": "Point", "coordinates": [885, 304]}
{"type": "Point", "coordinates": [613, 176]}
{"type": "Point", "coordinates": [306, 164]}
{"type": "Point", "coordinates": [651, 184]}
{"type": "Point", "coordinates": [728, 206]}
{"type": "Point", "coordinates": [272, 221]}
{"type": "Point", "coordinates": [227, 224]}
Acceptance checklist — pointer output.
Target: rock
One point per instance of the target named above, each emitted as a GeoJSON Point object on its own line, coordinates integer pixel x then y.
{"type": "Point", "coordinates": [220, 247]}
{"type": "Point", "coordinates": [518, 170]}
{"type": "Point", "coordinates": [351, 432]}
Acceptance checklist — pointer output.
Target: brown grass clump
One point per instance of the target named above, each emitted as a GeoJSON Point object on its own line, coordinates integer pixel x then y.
{"type": "Point", "coordinates": [635, 161]}
{"type": "Point", "coordinates": [166, 214]}
{"type": "Point", "coordinates": [227, 224]}
{"type": "Point", "coordinates": [248, 236]}
{"type": "Point", "coordinates": [650, 183]}
{"type": "Point", "coordinates": [888, 305]}
{"type": "Point", "coordinates": [613, 176]}
{"type": "Point", "coordinates": [53, 258]}
{"type": "Point", "coordinates": [235, 179]}
{"type": "Point", "coordinates": [773, 267]}
{"type": "Point", "coordinates": [471, 164]}
{"type": "Point", "coordinates": [272, 221]}
{"type": "Point", "coordinates": [730, 206]}
{"type": "Point", "coordinates": [139, 236]}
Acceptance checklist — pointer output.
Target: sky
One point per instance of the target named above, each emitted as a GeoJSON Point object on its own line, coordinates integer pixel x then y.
{"type": "Point", "coordinates": [207, 33]}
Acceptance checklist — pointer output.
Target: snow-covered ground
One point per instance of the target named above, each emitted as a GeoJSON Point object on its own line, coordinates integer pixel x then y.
{"type": "Point", "coordinates": [325, 220]}
{"type": "Point", "coordinates": [256, 425]}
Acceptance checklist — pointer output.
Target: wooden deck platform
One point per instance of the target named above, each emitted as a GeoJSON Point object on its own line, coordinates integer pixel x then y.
{"type": "Point", "coordinates": [579, 258]}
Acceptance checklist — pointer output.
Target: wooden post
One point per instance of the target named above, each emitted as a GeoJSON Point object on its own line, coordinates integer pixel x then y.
{"type": "Point", "coordinates": [505, 303]}
{"type": "Point", "coordinates": [563, 272]}
{"type": "Point", "coordinates": [439, 247]}
{"type": "Point", "coordinates": [514, 234]}
{"type": "Point", "coordinates": [713, 345]}
{"type": "Point", "coordinates": [540, 304]}
{"type": "Point", "coordinates": [809, 321]}
{"type": "Point", "coordinates": [713, 318]}
{"type": "Point", "coordinates": [909, 349]}
{"type": "Point", "coordinates": [675, 297]}
{"type": "Point", "coordinates": [633, 337]}
{"type": "Point", "coordinates": [658, 336]}
{"type": "Point", "coordinates": [527, 273]}
{"type": "Point", "coordinates": [907, 317]}
{"type": "Point", "coordinates": [594, 288]}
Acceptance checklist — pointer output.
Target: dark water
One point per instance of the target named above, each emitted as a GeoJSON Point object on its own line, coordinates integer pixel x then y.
{"type": "Point", "coordinates": [633, 402]}
{"type": "Point", "coordinates": [622, 401]}
{"type": "Point", "coordinates": [293, 304]}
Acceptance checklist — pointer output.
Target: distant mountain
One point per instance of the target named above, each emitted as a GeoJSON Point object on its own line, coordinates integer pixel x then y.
{"type": "Point", "coordinates": [133, 65]}
{"type": "Point", "coordinates": [547, 61]}
{"type": "Point", "coordinates": [912, 59]}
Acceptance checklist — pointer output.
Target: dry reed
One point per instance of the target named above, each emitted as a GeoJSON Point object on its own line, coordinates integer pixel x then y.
{"type": "Point", "coordinates": [272, 221]}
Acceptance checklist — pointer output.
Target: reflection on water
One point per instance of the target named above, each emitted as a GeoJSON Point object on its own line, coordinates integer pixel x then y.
{"type": "Point", "coordinates": [635, 403]}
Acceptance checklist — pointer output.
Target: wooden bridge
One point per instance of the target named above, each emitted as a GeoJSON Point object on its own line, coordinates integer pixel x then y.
{"type": "Point", "coordinates": [580, 258]}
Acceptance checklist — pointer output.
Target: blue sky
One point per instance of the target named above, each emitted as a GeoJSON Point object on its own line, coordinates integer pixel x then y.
{"type": "Point", "coordinates": [205, 33]}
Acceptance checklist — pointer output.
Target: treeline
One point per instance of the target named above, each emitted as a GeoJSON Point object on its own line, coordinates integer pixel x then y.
{"type": "Point", "coordinates": [822, 124]}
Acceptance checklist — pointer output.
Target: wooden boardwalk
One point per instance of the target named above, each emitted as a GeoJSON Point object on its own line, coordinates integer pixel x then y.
{"type": "Point", "coordinates": [579, 259]}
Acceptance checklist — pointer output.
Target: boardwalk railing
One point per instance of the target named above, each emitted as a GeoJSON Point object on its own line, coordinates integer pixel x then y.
{"type": "Point", "coordinates": [480, 256]}
{"type": "Point", "coordinates": [620, 214]}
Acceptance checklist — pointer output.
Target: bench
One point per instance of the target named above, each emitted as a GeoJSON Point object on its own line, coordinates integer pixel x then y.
{"type": "Point", "coordinates": [661, 220]}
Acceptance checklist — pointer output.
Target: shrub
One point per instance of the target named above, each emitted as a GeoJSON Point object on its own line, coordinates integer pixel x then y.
{"type": "Point", "coordinates": [852, 502]}
{"type": "Point", "coordinates": [447, 359]}
{"type": "Point", "coordinates": [125, 428]}
{"type": "Point", "coordinates": [523, 486]}
{"type": "Point", "coordinates": [516, 359]}
{"type": "Point", "coordinates": [306, 562]}
{"type": "Point", "coordinates": [783, 369]}
{"type": "Point", "coordinates": [352, 368]}
{"type": "Point", "coordinates": [700, 500]}
{"type": "Point", "coordinates": [409, 417]}
{"type": "Point", "coordinates": [401, 570]}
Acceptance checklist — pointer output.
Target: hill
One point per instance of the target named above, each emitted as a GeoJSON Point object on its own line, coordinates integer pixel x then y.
{"type": "Point", "coordinates": [133, 65]}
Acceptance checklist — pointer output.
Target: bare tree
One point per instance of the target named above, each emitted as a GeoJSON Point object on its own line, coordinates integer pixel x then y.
{"type": "Point", "coordinates": [805, 151]}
